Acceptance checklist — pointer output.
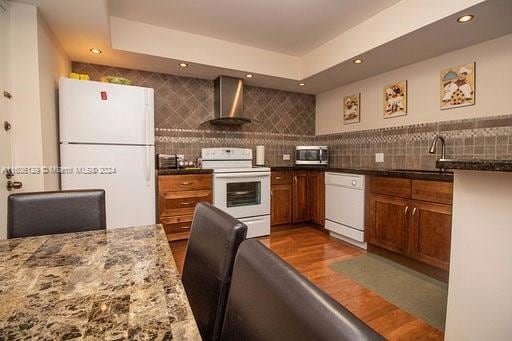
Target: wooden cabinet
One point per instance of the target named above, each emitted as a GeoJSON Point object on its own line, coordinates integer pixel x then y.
{"type": "Point", "coordinates": [178, 196]}
{"type": "Point", "coordinates": [282, 210]}
{"type": "Point", "coordinates": [431, 233]}
{"type": "Point", "coordinates": [410, 217]}
{"type": "Point", "coordinates": [317, 196]}
{"type": "Point", "coordinates": [297, 196]}
{"type": "Point", "coordinates": [387, 222]}
{"type": "Point", "coordinates": [300, 197]}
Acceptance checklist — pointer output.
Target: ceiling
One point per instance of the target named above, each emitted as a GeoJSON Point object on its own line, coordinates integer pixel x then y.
{"type": "Point", "coordinates": [292, 27]}
{"type": "Point", "coordinates": [259, 27]}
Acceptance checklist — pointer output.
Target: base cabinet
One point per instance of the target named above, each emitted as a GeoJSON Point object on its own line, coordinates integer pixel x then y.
{"type": "Point", "coordinates": [177, 199]}
{"type": "Point", "coordinates": [282, 210]}
{"type": "Point", "coordinates": [387, 222]}
{"type": "Point", "coordinates": [395, 220]}
{"type": "Point", "coordinates": [431, 233]}
{"type": "Point", "coordinates": [301, 197]}
{"type": "Point", "coordinates": [317, 197]}
{"type": "Point", "coordinates": [297, 196]}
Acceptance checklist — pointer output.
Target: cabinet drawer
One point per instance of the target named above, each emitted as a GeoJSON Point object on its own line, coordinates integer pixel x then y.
{"type": "Point", "coordinates": [390, 186]}
{"type": "Point", "coordinates": [281, 177]}
{"type": "Point", "coordinates": [182, 203]}
{"type": "Point", "coordinates": [434, 191]}
{"type": "Point", "coordinates": [174, 183]}
{"type": "Point", "coordinates": [176, 224]}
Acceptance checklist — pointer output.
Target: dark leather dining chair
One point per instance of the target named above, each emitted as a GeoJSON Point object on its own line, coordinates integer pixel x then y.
{"type": "Point", "coordinates": [212, 245]}
{"type": "Point", "coordinates": [41, 213]}
{"type": "Point", "coordinates": [269, 300]}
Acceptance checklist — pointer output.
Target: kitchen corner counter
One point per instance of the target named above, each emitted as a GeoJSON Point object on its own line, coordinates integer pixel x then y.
{"type": "Point", "coordinates": [477, 165]}
{"type": "Point", "coordinates": [433, 175]}
{"type": "Point", "coordinates": [184, 171]}
{"type": "Point", "coordinates": [114, 284]}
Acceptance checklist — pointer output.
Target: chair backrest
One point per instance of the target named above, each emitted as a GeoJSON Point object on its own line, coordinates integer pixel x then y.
{"type": "Point", "coordinates": [41, 213]}
{"type": "Point", "coordinates": [269, 300]}
{"type": "Point", "coordinates": [212, 245]}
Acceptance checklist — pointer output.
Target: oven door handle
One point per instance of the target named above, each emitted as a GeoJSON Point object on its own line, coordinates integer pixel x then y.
{"type": "Point", "coordinates": [242, 175]}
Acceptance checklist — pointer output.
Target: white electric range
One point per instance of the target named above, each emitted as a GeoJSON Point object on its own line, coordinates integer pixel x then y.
{"type": "Point", "coordinates": [239, 188]}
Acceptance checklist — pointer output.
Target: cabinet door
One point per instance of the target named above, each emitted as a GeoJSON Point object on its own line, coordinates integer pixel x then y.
{"type": "Point", "coordinates": [282, 208]}
{"type": "Point", "coordinates": [387, 222]}
{"type": "Point", "coordinates": [431, 231]}
{"type": "Point", "coordinates": [317, 196]}
{"type": "Point", "coordinates": [300, 197]}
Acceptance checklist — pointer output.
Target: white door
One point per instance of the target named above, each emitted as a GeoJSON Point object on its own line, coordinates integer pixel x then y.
{"type": "Point", "coordinates": [95, 112]}
{"type": "Point", "coordinates": [126, 173]}
{"type": "Point", "coordinates": [6, 158]}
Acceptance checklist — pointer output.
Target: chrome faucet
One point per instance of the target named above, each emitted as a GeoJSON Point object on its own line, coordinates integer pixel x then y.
{"type": "Point", "coordinates": [443, 146]}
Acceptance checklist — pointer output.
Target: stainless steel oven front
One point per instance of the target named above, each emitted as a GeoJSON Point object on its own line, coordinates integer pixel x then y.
{"type": "Point", "coordinates": [312, 155]}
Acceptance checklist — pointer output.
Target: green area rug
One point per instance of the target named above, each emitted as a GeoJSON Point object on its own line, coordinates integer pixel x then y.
{"type": "Point", "coordinates": [419, 295]}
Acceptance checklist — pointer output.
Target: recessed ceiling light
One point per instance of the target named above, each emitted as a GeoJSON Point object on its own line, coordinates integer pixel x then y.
{"type": "Point", "coordinates": [183, 65]}
{"type": "Point", "coordinates": [465, 18]}
{"type": "Point", "coordinates": [249, 75]}
{"type": "Point", "coordinates": [301, 84]}
{"type": "Point", "coordinates": [95, 50]}
{"type": "Point", "coordinates": [357, 61]}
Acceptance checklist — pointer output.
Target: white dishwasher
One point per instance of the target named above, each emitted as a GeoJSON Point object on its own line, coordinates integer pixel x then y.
{"type": "Point", "coordinates": [344, 207]}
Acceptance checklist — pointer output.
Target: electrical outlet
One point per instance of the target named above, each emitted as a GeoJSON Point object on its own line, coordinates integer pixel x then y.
{"type": "Point", "coordinates": [286, 157]}
{"type": "Point", "coordinates": [379, 157]}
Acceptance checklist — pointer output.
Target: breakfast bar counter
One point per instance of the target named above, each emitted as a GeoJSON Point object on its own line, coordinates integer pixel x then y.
{"type": "Point", "coordinates": [115, 284]}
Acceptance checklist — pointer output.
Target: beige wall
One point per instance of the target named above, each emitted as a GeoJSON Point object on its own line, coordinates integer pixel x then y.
{"type": "Point", "coordinates": [53, 63]}
{"type": "Point", "coordinates": [25, 88]}
{"type": "Point", "coordinates": [479, 295]}
{"type": "Point", "coordinates": [37, 60]}
{"type": "Point", "coordinates": [493, 77]}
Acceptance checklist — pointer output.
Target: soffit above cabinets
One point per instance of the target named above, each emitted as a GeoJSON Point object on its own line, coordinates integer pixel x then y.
{"type": "Point", "coordinates": [389, 35]}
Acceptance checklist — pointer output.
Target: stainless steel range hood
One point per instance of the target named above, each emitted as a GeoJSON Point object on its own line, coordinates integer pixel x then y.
{"type": "Point", "coordinates": [229, 101]}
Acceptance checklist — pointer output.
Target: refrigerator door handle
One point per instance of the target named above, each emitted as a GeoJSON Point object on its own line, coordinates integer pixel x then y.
{"type": "Point", "coordinates": [147, 159]}
{"type": "Point", "coordinates": [146, 117]}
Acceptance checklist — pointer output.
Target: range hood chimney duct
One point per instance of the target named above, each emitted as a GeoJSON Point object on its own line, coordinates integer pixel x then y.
{"type": "Point", "coordinates": [229, 101]}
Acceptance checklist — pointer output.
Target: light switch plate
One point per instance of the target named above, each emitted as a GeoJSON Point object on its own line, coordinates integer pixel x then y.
{"type": "Point", "coordinates": [379, 157]}
{"type": "Point", "coordinates": [286, 157]}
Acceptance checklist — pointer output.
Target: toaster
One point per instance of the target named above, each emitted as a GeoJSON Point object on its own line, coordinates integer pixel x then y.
{"type": "Point", "coordinates": [166, 161]}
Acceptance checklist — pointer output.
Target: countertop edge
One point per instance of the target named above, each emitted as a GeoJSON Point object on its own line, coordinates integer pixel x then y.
{"type": "Point", "coordinates": [427, 175]}
{"type": "Point", "coordinates": [476, 165]}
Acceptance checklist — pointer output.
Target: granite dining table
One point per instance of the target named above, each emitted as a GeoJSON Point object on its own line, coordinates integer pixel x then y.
{"type": "Point", "coordinates": [112, 284]}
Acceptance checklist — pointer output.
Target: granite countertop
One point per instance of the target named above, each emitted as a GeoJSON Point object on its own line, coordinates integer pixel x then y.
{"type": "Point", "coordinates": [114, 284]}
{"type": "Point", "coordinates": [395, 173]}
{"type": "Point", "coordinates": [480, 165]}
{"type": "Point", "coordinates": [180, 171]}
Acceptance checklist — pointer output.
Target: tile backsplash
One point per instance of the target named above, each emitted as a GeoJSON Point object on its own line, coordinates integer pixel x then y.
{"type": "Point", "coordinates": [287, 119]}
{"type": "Point", "coordinates": [407, 146]}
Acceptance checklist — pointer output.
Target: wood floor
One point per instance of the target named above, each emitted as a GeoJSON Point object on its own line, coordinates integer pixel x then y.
{"type": "Point", "coordinates": [310, 252]}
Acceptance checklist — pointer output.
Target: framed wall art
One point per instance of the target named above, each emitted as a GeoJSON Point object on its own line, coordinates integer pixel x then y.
{"type": "Point", "coordinates": [352, 109]}
{"type": "Point", "coordinates": [395, 99]}
{"type": "Point", "coordinates": [457, 85]}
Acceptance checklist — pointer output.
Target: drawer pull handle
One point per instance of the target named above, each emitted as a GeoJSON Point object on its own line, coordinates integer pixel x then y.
{"type": "Point", "coordinates": [185, 227]}
{"type": "Point", "coordinates": [413, 211]}
{"type": "Point", "coordinates": [406, 210]}
{"type": "Point", "coordinates": [278, 178]}
{"type": "Point", "coordinates": [186, 183]}
{"type": "Point", "coordinates": [186, 203]}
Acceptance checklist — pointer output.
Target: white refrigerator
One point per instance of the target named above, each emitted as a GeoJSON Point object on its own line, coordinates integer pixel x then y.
{"type": "Point", "coordinates": [107, 142]}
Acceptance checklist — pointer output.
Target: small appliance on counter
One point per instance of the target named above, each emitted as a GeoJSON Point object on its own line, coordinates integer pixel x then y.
{"type": "Point", "coordinates": [260, 155]}
{"type": "Point", "coordinates": [312, 155]}
{"type": "Point", "coordinates": [166, 161]}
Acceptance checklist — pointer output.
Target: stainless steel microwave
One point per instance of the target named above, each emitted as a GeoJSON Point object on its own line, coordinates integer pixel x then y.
{"type": "Point", "coordinates": [312, 155]}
